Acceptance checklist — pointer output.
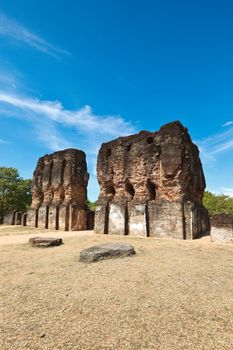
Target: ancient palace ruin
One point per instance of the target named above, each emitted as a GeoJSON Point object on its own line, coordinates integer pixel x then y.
{"type": "Point", "coordinates": [151, 184]}
{"type": "Point", "coordinates": [59, 191]}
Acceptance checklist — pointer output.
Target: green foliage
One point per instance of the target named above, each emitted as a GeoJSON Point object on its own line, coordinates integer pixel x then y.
{"type": "Point", "coordinates": [218, 204]}
{"type": "Point", "coordinates": [15, 192]}
{"type": "Point", "coordinates": [91, 205]}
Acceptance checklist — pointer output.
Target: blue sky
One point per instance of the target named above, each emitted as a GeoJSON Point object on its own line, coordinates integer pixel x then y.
{"type": "Point", "coordinates": [79, 73]}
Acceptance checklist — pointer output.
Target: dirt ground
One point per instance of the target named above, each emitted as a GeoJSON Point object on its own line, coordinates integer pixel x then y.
{"type": "Point", "coordinates": [170, 295]}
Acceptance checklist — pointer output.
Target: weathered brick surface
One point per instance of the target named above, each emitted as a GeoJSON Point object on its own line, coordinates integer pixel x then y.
{"type": "Point", "coordinates": [151, 184]}
{"type": "Point", "coordinates": [59, 191]}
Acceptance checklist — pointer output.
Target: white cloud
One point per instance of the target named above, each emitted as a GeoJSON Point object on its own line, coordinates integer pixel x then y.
{"type": "Point", "coordinates": [13, 30]}
{"type": "Point", "coordinates": [214, 145]}
{"type": "Point", "coordinates": [3, 141]}
{"type": "Point", "coordinates": [227, 123]}
{"type": "Point", "coordinates": [47, 133]}
{"type": "Point", "coordinates": [227, 191]}
{"type": "Point", "coordinates": [58, 128]}
{"type": "Point", "coordinates": [83, 119]}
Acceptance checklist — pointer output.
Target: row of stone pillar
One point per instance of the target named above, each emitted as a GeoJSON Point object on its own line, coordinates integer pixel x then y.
{"type": "Point", "coordinates": [154, 218]}
{"type": "Point", "coordinates": [63, 217]}
{"type": "Point", "coordinates": [70, 217]}
{"type": "Point", "coordinates": [15, 218]}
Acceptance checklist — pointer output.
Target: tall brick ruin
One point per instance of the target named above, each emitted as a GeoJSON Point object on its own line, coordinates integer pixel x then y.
{"type": "Point", "coordinates": [59, 191]}
{"type": "Point", "coordinates": [151, 184]}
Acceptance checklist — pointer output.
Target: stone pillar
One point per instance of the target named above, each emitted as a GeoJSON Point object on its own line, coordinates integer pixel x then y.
{"type": "Point", "coordinates": [43, 216]}
{"type": "Point", "coordinates": [32, 217]}
{"type": "Point", "coordinates": [64, 218]}
{"type": "Point", "coordinates": [101, 218]}
{"type": "Point", "coordinates": [166, 219]}
{"type": "Point", "coordinates": [117, 223]}
{"type": "Point", "coordinates": [137, 225]}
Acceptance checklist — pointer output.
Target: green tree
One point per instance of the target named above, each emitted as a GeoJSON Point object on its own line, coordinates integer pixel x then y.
{"type": "Point", "coordinates": [218, 203]}
{"type": "Point", "coordinates": [91, 205]}
{"type": "Point", "coordinates": [15, 192]}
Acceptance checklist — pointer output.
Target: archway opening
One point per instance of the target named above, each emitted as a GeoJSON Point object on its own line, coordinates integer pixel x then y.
{"type": "Point", "coordinates": [110, 190]}
{"type": "Point", "coordinates": [108, 152]}
{"type": "Point", "coordinates": [151, 189]}
{"type": "Point", "coordinates": [129, 188]}
{"type": "Point", "coordinates": [149, 140]}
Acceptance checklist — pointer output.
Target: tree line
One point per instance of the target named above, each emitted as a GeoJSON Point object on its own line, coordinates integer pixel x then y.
{"type": "Point", "coordinates": [218, 203]}
{"type": "Point", "coordinates": [15, 193]}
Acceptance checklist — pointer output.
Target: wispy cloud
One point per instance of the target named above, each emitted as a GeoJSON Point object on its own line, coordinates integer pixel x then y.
{"type": "Point", "coordinates": [57, 127]}
{"type": "Point", "coordinates": [83, 119]}
{"type": "Point", "coordinates": [17, 32]}
{"type": "Point", "coordinates": [46, 132]}
{"type": "Point", "coordinates": [227, 123]}
{"type": "Point", "coordinates": [214, 145]}
{"type": "Point", "coordinates": [227, 191]}
{"type": "Point", "coordinates": [3, 141]}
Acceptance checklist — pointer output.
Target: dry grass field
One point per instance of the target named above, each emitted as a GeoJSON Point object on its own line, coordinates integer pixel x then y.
{"type": "Point", "coordinates": [170, 295]}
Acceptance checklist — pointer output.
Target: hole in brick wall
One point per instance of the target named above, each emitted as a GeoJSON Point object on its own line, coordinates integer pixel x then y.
{"type": "Point", "coordinates": [108, 152]}
{"type": "Point", "coordinates": [129, 188]}
{"type": "Point", "coordinates": [152, 189]}
{"type": "Point", "coordinates": [110, 190]}
{"type": "Point", "coordinates": [149, 140]}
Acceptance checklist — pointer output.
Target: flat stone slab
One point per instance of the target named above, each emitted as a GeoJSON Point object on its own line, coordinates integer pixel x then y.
{"type": "Point", "coordinates": [106, 251]}
{"type": "Point", "coordinates": [45, 242]}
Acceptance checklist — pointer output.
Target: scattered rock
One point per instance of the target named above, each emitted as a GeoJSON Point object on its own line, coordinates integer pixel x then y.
{"type": "Point", "coordinates": [106, 251]}
{"type": "Point", "coordinates": [45, 242]}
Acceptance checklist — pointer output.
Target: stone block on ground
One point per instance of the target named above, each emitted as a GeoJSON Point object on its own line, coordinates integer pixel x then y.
{"type": "Point", "coordinates": [106, 251]}
{"type": "Point", "coordinates": [45, 242]}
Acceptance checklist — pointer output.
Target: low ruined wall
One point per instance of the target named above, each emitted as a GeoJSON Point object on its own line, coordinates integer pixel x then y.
{"type": "Point", "coordinates": [222, 228]}
{"type": "Point", "coordinates": [13, 218]}
{"type": "Point", "coordinates": [9, 218]}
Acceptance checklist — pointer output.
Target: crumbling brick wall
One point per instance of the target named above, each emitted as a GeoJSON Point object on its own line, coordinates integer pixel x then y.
{"type": "Point", "coordinates": [151, 184]}
{"type": "Point", "coordinates": [59, 191]}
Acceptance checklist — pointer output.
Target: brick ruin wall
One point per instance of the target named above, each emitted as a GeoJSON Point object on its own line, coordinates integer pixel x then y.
{"type": "Point", "coordinates": [152, 184]}
{"type": "Point", "coordinates": [59, 192]}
